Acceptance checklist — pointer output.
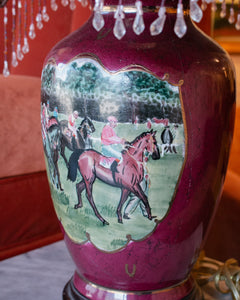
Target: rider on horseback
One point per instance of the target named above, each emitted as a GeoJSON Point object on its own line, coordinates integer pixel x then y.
{"type": "Point", "coordinates": [110, 141]}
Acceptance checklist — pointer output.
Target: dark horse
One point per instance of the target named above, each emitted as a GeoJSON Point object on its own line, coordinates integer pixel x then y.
{"type": "Point", "coordinates": [51, 147]}
{"type": "Point", "coordinates": [83, 140]}
{"type": "Point", "coordinates": [127, 175]}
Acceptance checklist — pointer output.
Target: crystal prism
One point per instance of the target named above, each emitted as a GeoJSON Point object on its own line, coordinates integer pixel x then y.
{"type": "Point", "coordinates": [72, 5]}
{"type": "Point", "coordinates": [237, 25]}
{"type": "Point", "coordinates": [19, 52]}
{"type": "Point", "coordinates": [195, 11]}
{"type": "Point", "coordinates": [231, 18]}
{"type": "Point", "coordinates": [84, 3]}
{"type": "Point", "coordinates": [6, 72]}
{"type": "Point", "coordinates": [138, 24]}
{"type": "Point", "coordinates": [98, 21]}
{"type": "Point", "coordinates": [204, 5]}
{"type": "Point", "coordinates": [25, 48]}
{"type": "Point", "coordinates": [223, 10]}
{"type": "Point", "coordinates": [32, 33]}
{"type": "Point", "coordinates": [45, 16]}
{"type": "Point", "coordinates": [54, 5]}
{"type": "Point", "coordinates": [14, 59]}
{"type": "Point", "coordinates": [214, 6]}
{"type": "Point", "coordinates": [180, 27]}
{"type": "Point", "coordinates": [119, 29]}
{"type": "Point", "coordinates": [64, 2]}
{"type": "Point", "coordinates": [157, 25]}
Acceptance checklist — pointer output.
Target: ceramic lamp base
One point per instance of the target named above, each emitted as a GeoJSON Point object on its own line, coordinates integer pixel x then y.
{"type": "Point", "coordinates": [188, 290]}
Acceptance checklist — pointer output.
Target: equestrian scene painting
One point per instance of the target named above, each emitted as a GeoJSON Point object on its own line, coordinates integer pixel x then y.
{"type": "Point", "coordinates": [114, 144]}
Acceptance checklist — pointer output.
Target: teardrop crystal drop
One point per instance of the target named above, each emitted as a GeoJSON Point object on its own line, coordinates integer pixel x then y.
{"type": "Point", "coordinates": [98, 21]}
{"type": "Point", "coordinates": [39, 21]}
{"type": "Point", "coordinates": [195, 11]}
{"type": "Point", "coordinates": [237, 25]}
{"type": "Point", "coordinates": [231, 18]}
{"type": "Point", "coordinates": [14, 61]}
{"type": "Point", "coordinates": [180, 27]}
{"type": "Point", "coordinates": [45, 16]}
{"type": "Point", "coordinates": [6, 72]}
{"type": "Point", "coordinates": [72, 5]}
{"type": "Point", "coordinates": [119, 29]}
{"type": "Point", "coordinates": [64, 2]}
{"type": "Point", "coordinates": [223, 10]}
{"type": "Point", "coordinates": [54, 5]}
{"type": "Point", "coordinates": [204, 5]}
{"type": "Point", "coordinates": [84, 3]}
{"type": "Point", "coordinates": [32, 33]}
{"type": "Point", "coordinates": [157, 26]}
{"type": "Point", "coordinates": [138, 24]}
{"type": "Point", "coordinates": [19, 52]}
{"type": "Point", "coordinates": [25, 48]}
{"type": "Point", "coordinates": [214, 6]}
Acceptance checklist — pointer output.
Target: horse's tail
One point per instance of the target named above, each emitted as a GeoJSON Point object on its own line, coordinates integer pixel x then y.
{"type": "Point", "coordinates": [73, 164]}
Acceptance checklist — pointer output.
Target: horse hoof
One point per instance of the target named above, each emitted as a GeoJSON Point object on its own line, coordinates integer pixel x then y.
{"type": "Point", "coordinates": [120, 221]}
{"type": "Point", "coordinates": [77, 206]}
{"type": "Point", "coordinates": [125, 216]}
{"type": "Point", "coordinates": [105, 223]}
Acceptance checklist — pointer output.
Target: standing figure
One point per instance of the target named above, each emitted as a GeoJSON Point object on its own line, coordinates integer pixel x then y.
{"type": "Point", "coordinates": [72, 127]}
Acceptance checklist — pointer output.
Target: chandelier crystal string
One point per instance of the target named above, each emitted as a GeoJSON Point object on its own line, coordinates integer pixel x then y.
{"type": "Point", "coordinates": [22, 12]}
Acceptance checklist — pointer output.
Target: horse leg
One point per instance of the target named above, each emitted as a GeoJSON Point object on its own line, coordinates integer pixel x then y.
{"type": "Point", "coordinates": [88, 186]}
{"type": "Point", "coordinates": [124, 196]}
{"type": "Point", "coordinates": [62, 151]}
{"type": "Point", "coordinates": [57, 170]}
{"type": "Point", "coordinates": [80, 186]}
{"type": "Point", "coordinates": [141, 195]}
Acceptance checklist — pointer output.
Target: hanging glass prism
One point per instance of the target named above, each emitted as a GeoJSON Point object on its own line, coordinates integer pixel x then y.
{"type": "Point", "coordinates": [25, 48]}
{"type": "Point", "coordinates": [98, 21]}
{"type": "Point", "coordinates": [231, 18]}
{"type": "Point", "coordinates": [84, 3]}
{"type": "Point", "coordinates": [223, 9]}
{"type": "Point", "coordinates": [204, 5]}
{"type": "Point", "coordinates": [72, 5]}
{"type": "Point", "coordinates": [195, 11]}
{"type": "Point", "coordinates": [138, 24]}
{"type": "Point", "coordinates": [180, 27]}
{"type": "Point", "coordinates": [45, 15]}
{"type": "Point", "coordinates": [19, 52]}
{"type": "Point", "coordinates": [6, 72]}
{"type": "Point", "coordinates": [237, 25]}
{"type": "Point", "coordinates": [157, 26]}
{"type": "Point", "coordinates": [54, 5]}
{"type": "Point", "coordinates": [14, 61]}
{"type": "Point", "coordinates": [39, 21]}
{"type": "Point", "coordinates": [32, 33]}
{"type": "Point", "coordinates": [119, 29]}
{"type": "Point", "coordinates": [64, 2]}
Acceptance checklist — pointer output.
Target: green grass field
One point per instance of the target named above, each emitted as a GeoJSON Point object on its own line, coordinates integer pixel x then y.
{"type": "Point", "coordinates": [82, 222]}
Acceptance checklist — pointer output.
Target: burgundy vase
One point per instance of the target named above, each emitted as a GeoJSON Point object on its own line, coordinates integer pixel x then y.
{"type": "Point", "coordinates": [136, 134]}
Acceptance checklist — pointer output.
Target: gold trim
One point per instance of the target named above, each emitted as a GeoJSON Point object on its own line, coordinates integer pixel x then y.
{"type": "Point", "coordinates": [146, 9]}
{"type": "Point", "coordinates": [166, 77]}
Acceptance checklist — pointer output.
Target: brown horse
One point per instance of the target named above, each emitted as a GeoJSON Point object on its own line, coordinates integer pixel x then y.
{"type": "Point", "coordinates": [127, 175]}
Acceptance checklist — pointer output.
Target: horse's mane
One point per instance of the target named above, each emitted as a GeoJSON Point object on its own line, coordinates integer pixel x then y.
{"type": "Point", "coordinates": [139, 137]}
